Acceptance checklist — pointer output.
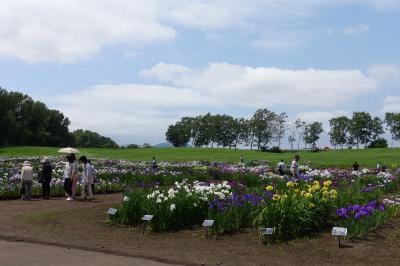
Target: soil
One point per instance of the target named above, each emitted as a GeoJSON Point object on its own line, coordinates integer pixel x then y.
{"type": "Point", "coordinates": [83, 225]}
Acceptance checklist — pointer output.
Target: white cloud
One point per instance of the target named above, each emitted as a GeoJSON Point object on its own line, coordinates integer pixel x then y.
{"type": "Point", "coordinates": [69, 30]}
{"type": "Point", "coordinates": [141, 113]}
{"type": "Point", "coordinates": [128, 112]}
{"type": "Point", "coordinates": [320, 116]}
{"type": "Point", "coordinates": [391, 104]}
{"type": "Point", "coordinates": [356, 29]}
{"type": "Point", "coordinates": [165, 72]}
{"type": "Point", "coordinates": [384, 72]}
{"type": "Point", "coordinates": [254, 87]}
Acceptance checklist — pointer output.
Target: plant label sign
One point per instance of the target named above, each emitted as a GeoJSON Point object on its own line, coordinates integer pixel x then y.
{"type": "Point", "coordinates": [126, 199]}
{"type": "Point", "coordinates": [208, 223]}
{"type": "Point", "coordinates": [112, 211]}
{"type": "Point", "coordinates": [339, 231]}
{"type": "Point", "coordinates": [267, 231]}
{"type": "Point", "coordinates": [147, 218]}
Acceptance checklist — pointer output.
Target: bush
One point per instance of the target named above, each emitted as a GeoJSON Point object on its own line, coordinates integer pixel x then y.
{"type": "Point", "coordinates": [379, 143]}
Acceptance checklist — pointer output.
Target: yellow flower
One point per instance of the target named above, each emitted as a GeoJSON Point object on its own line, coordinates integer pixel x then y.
{"type": "Point", "coordinates": [308, 195]}
{"type": "Point", "coordinates": [333, 193]}
{"type": "Point", "coordinates": [312, 205]}
{"type": "Point", "coordinates": [276, 197]}
{"type": "Point", "coordinates": [327, 183]}
{"type": "Point", "coordinates": [316, 183]}
{"type": "Point", "coordinates": [325, 193]}
{"type": "Point", "coordinates": [269, 188]}
{"type": "Point", "coordinates": [290, 184]}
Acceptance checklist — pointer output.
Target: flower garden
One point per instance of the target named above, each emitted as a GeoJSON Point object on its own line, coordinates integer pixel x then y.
{"type": "Point", "coordinates": [235, 196]}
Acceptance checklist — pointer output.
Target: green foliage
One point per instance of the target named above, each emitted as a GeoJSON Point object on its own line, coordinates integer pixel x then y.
{"type": "Point", "coordinates": [359, 228]}
{"type": "Point", "coordinates": [28, 122]}
{"type": "Point", "coordinates": [87, 138]}
{"type": "Point", "coordinates": [312, 132]}
{"type": "Point", "coordinates": [379, 143]}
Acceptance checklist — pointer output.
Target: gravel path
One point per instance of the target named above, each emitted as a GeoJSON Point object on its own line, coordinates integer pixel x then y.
{"type": "Point", "coordinates": [22, 253]}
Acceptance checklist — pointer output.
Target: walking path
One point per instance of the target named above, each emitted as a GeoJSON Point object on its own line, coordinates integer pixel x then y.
{"type": "Point", "coordinates": [22, 253]}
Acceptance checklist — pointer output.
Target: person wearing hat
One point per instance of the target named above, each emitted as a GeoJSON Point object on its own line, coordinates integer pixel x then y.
{"type": "Point", "coordinates": [45, 177]}
{"type": "Point", "coordinates": [27, 176]}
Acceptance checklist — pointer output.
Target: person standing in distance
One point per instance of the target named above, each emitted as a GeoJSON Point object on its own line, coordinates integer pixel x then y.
{"type": "Point", "coordinates": [47, 170]}
{"type": "Point", "coordinates": [294, 167]}
{"type": "Point", "coordinates": [27, 176]}
{"type": "Point", "coordinates": [281, 168]}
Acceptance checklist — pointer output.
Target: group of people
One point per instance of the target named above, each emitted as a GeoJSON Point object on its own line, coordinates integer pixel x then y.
{"type": "Point", "coordinates": [72, 174]}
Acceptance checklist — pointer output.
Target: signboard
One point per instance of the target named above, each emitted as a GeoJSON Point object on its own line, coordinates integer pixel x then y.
{"type": "Point", "coordinates": [267, 230]}
{"type": "Point", "coordinates": [112, 211]}
{"type": "Point", "coordinates": [339, 231]}
{"type": "Point", "coordinates": [147, 217]}
{"type": "Point", "coordinates": [208, 223]}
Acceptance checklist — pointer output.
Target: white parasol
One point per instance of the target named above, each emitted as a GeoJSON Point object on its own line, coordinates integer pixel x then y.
{"type": "Point", "coordinates": [68, 150]}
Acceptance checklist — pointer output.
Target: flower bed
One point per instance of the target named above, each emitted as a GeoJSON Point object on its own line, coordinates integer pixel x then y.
{"type": "Point", "coordinates": [235, 196]}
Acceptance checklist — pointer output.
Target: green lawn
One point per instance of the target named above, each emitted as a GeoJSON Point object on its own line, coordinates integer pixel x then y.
{"type": "Point", "coordinates": [339, 158]}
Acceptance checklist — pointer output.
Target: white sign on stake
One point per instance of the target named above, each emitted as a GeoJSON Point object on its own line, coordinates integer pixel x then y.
{"type": "Point", "coordinates": [339, 231]}
{"type": "Point", "coordinates": [147, 217]}
{"type": "Point", "coordinates": [208, 223]}
{"type": "Point", "coordinates": [112, 211]}
{"type": "Point", "coordinates": [267, 230]}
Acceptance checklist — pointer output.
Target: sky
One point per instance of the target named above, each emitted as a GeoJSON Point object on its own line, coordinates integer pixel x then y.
{"type": "Point", "coordinates": [128, 68]}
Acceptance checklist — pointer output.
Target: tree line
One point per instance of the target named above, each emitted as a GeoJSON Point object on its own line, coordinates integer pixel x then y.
{"type": "Point", "coordinates": [27, 122]}
{"type": "Point", "coordinates": [267, 128]}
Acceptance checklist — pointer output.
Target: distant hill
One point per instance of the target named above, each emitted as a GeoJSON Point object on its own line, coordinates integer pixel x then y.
{"type": "Point", "coordinates": [164, 145]}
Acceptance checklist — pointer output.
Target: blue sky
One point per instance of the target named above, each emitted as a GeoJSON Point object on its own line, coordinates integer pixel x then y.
{"type": "Point", "coordinates": [128, 69]}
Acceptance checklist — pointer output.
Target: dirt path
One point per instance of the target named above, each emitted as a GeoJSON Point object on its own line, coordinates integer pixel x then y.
{"type": "Point", "coordinates": [19, 253]}
{"type": "Point", "coordinates": [83, 225]}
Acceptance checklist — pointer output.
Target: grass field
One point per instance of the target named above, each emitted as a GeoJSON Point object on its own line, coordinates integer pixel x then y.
{"type": "Point", "coordinates": [339, 158]}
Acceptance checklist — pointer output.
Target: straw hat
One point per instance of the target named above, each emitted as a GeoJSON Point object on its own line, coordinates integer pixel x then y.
{"type": "Point", "coordinates": [45, 160]}
{"type": "Point", "coordinates": [27, 163]}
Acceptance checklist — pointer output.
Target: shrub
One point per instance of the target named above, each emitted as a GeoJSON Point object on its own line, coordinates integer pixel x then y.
{"type": "Point", "coordinates": [379, 143]}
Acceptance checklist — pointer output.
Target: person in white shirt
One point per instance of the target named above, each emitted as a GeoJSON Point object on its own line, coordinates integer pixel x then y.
{"type": "Point", "coordinates": [294, 167]}
{"type": "Point", "coordinates": [281, 168]}
{"type": "Point", "coordinates": [70, 176]}
{"type": "Point", "coordinates": [26, 176]}
{"type": "Point", "coordinates": [87, 179]}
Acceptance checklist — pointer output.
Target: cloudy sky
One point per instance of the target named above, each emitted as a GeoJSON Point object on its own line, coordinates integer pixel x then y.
{"type": "Point", "coordinates": [129, 68]}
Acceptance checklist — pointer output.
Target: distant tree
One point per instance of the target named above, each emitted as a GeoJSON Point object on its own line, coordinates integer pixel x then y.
{"type": "Point", "coordinates": [178, 134]}
{"type": "Point", "coordinates": [312, 132]}
{"type": "Point", "coordinates": [392, 121]}
{"type": "Point", "coordinates": [376, 128]}
{"type": "Point", "coordinates": [28, 122]}
{"type": "Point", "coordinates": [262, 126]}
{"type": "Point", "coordinates": [292, 130]}
{"type": "Point", "coordinates": [360, 129]}
{"type": "Point", "coordinates": [280, 127]}
{"type": "Point", "coordinates": [87, 138]}
{"type": "Point", "coordinates": [300, 127]}
{"type": "Point", "coordinates": [364, 129]}
{"type": "Point", "coordinates": [339, 128]}
{"type": "Point", "coordinates": [132, 146]}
